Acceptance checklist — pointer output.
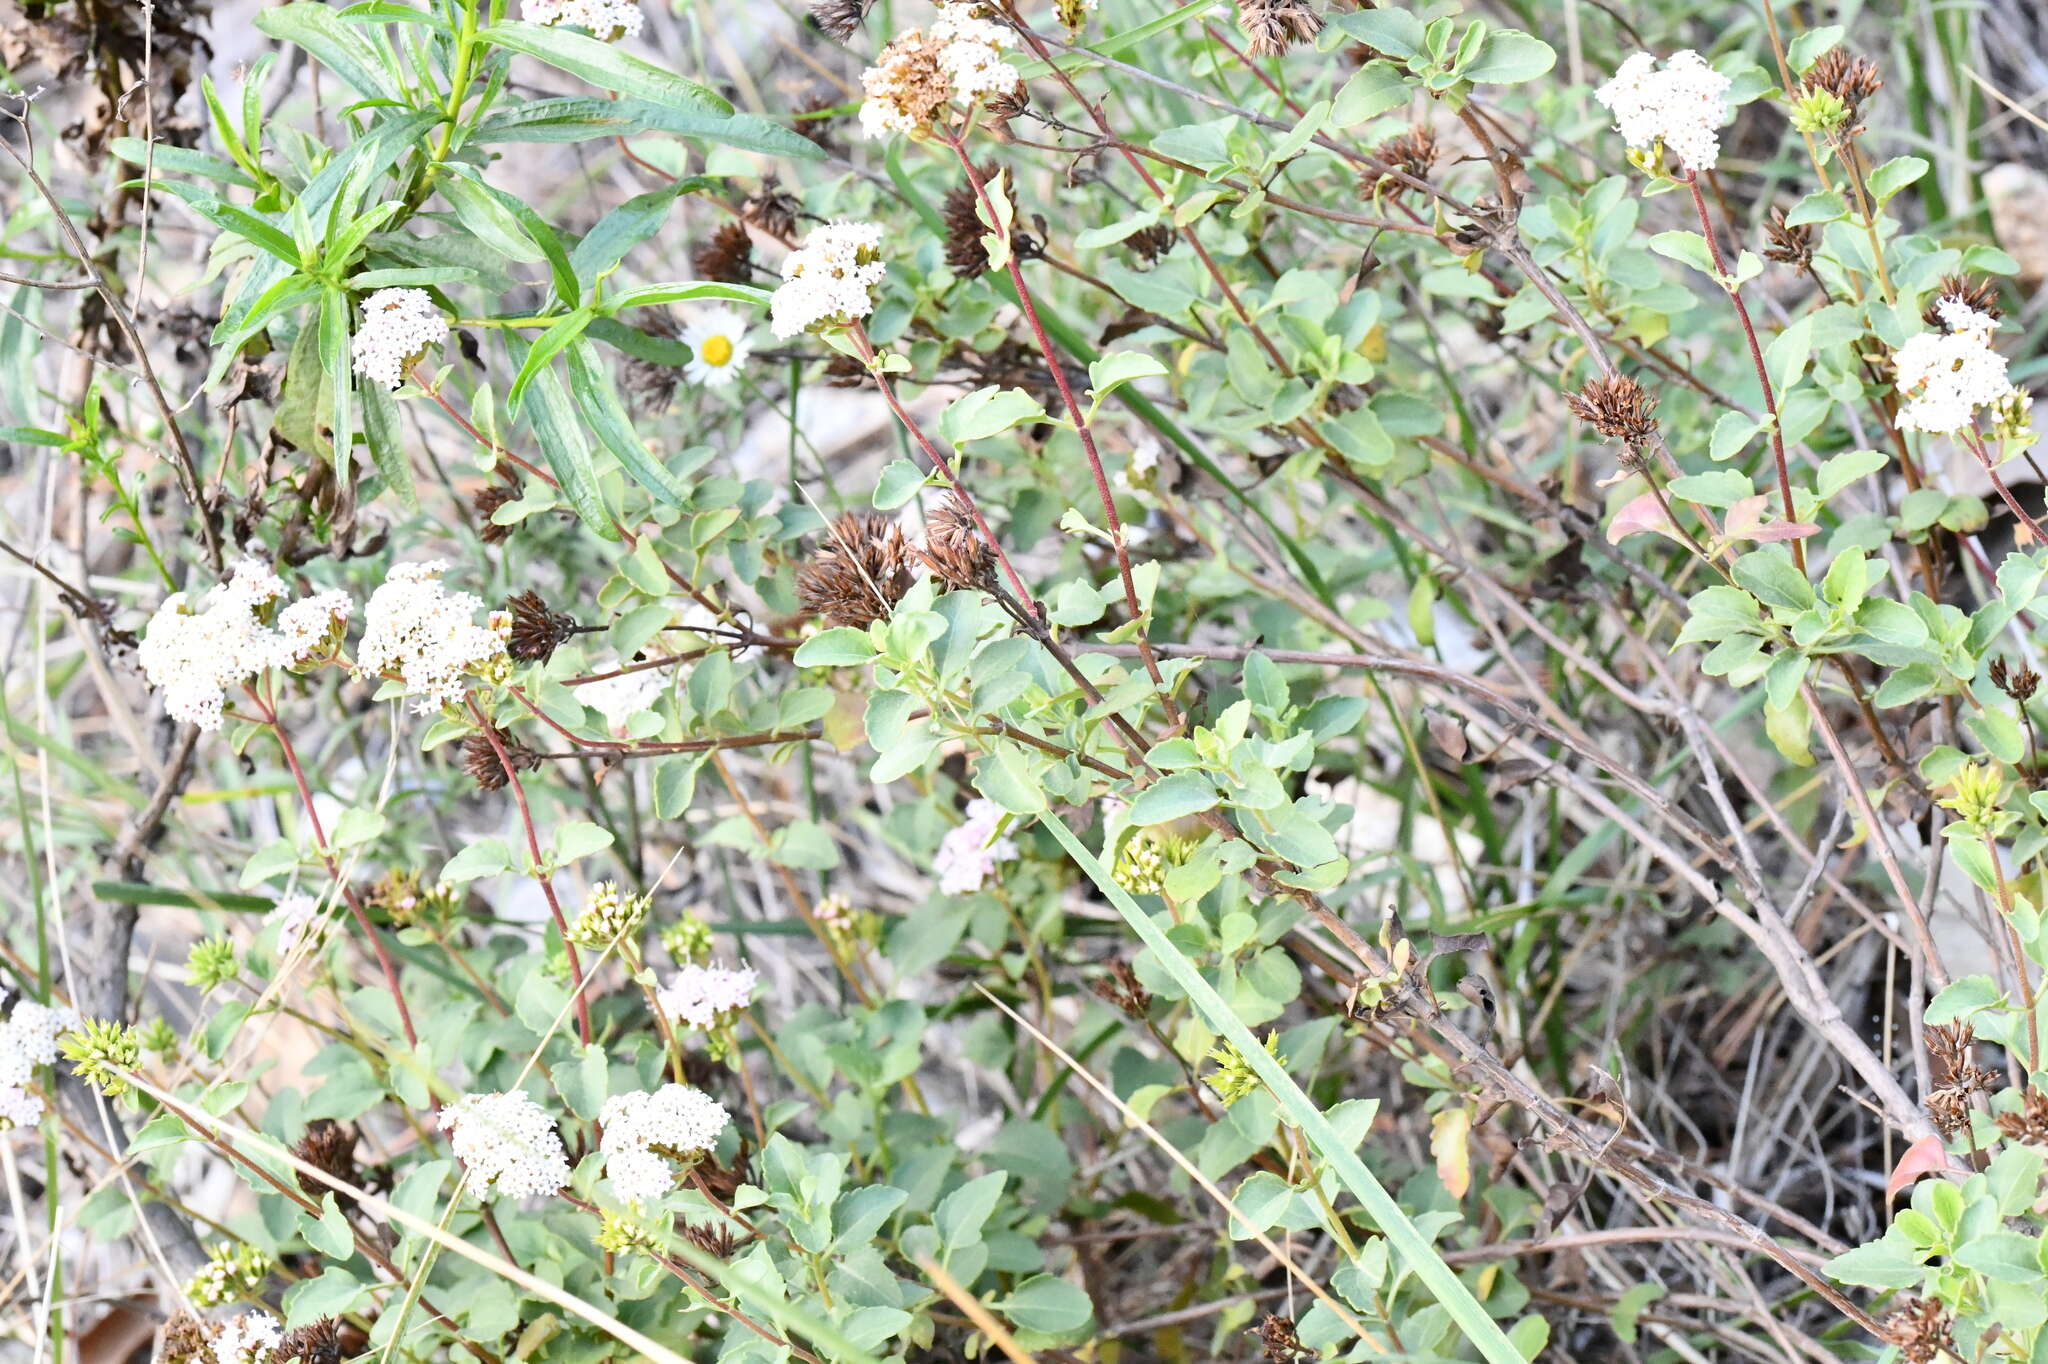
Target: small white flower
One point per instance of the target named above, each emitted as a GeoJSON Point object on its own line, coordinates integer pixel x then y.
{"type": "Point", "coordinates": [643, 1132]}
{"type": "Point", "coordinates": [508, 1144]}
{"type": "Point", "coordinates": [193, 654]}
{"type": "Point", "coordinates": [295, 916]}
{"type": "Point", "coordinates": [919, 74]}
{"type": "Point", "coordinates": [619, 699]}
{"type": "Point", "coordinates": [1683, 106]}
{"type": "Point", "coordinates": [698, 996]}
{"type": "Point", "coordinates": [968, 855]}
{"type": "Point", "coordinates": [398, 326]}
{"type": "Point", "coordinates": [248, 1339]}
{"type": "Point", "coordinates": [415, 627]}
{"type": "Point", "coordinates": [718, 347]}
{"type": "Point", "coordinates": [1947, 376]}
{"type": "Point", "coordinates": [830, 278]}
{"type": "Point", "coordinates": [19, 1107]}
{"type": "Point", "coordinates": [606, 19]}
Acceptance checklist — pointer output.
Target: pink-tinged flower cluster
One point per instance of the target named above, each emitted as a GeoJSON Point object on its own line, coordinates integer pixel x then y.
{"type": "Point", "coordinates": [968, 855]}
{"type": "Point", "coordinates": [704, 996]}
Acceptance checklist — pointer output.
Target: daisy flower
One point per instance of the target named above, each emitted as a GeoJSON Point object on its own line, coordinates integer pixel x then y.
{"type": "Point", "coordinates": [718, 347]}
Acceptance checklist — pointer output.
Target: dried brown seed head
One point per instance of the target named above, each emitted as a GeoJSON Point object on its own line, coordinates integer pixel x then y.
{"type": "Point", "coordinates": [1271, 27]}
{"type": "Point", "coordinates": [1152, 243]}
{"type": "Point", "coordinates": [330, 1148]}
{"type": "Point", "coordinates": [711, 1240]}
{"type": "Point", "coordinates": [1922, 1329]}
{"type": "Point", "coordinates": [1277, 1337]}
{"type": "Point", "coordinates": [536, 630]}
{"type": "Point", "coordinates": [1848, 77]}
{"type": "Point", "coordinates": [1789, 245]}
{"type": "Point", "coordinates": [772, 209]}
{"type": "Point", "coordinates": [184, 1341]}
{"type": "Point", "coordinates": [1122, 990]}
{"type": "Point", "coordinates": [2030, 1123]}
{"type": "Point", "coordinates": [1979, 294]}
{"type": "Point", "coordinates": [1413, 154]}
{"type": "Point", "coordinates": [954, 550]}
{"type": "Point", "coordinates": [481, 761]}
{"type": "Point", "coordinates": [859, 573]}
{"type": "Point", "coordinates": [965, 254]}
{"type": "Point", "coordinates": [488, 499]}
{"type": "Point", "coordinates": [839, 18]}
{"type": "Point", "coordinates": [317, 1343]}
{"type": "Point", "coordinates": [1617, 407]}
{"type": "Point", "coordinates": [726, 256]}
{"type": "Point", "coordinates": [1948, 1048]}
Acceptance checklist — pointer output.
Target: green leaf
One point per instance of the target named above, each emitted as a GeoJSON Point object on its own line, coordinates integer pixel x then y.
{"type": "Point", "coordinates": [1770, 574]}
{"type": "Point", "coordinates": [344, 48]}
{"type": "Point", "coordinates": [559, 432]}
{"type": "Point", "coordinates": [329, 1233]}
{"type": "Point", "coordinates": [1719, 488]}
{"type": "Point", "coordinates": [1961, 998]}
{"type": "Point", "coordinates": [839, 647]}
{"type": "Point", "coordinates": [243, 222]}
{"type": "Point", "coordinates": [541, 354]}
{"type": "Point", "coordinates": [1894, 175]}
{"type": "Point", "coordinates": [335, 362]}
{"type": "Point", "coordinates": [1809, 47]}
{"type": "Point", "coordinates": [688, 291]}
{"type": "Point", "coordinates": [1174, 796]}
{"type": "Point", "coordinates": [1005, 777]}
{"type": "Point", "coordinates": [605, 66]}
{"type": "Point", "coordinates": [485, 857]}
{"type": "Point", "coordinates": [1881, 1264]}
{"type": "Point", "coordinates": [1119, 367]}
{"type": "Point", "coordinates": [899, 483]}
{"type": "Point", "coordinates": [624, 228]}
{"type": "Point", "coordinates": [1814, 209]}
{"type": "Point", "coordinates": [1509, 58]}
{"type": "Point", "coordinates": [387, 445]}
{"type": "Point", "coordinates": [1687, 248]}
{"type": "Point", "coordinates": [987, 412]}
{"type": "Point", "coordinates": [1395, 32]}
{"type": "Point", "coordinates": [577, 839]}
{"type": "Point", "coordinates": [1372, 90]}
{"type": "Point", "coordinates": [2002, 1255]}
{"type": "Point", "coordinates": [1044, 1303]}
{"type": "Point", "coordinates": [1628, 1309]}
{"type": "Point", "coordinates": [590, 384]}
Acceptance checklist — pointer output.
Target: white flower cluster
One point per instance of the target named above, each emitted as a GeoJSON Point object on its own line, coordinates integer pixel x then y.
{"type": "Point", "coordinates": [606, 19]}
{"type": "Point", "coordinates": [508, 1144]}
{"type": "Point", "coordinates": [971, 53]}
{"type": "Point", "coordinates": [643, 1132]}
{"type": "Point", "coordinates": [830, 278]}
{"type": "Point", "coordinates": [1946, 376]}
{"type": "Point", "coordinates": [193, 655]}
{"type": "Point", "coordinates": [415, 627]}
{"type": "Point", "coordinates": [296, 917]}
{"type": "Point", "coordinates": [28, 1041]}
{"type": "Point", "coordinates": [619, 699]}
{"type": "Point", "coordinates": [968, 855]}
{"type": "Point", "coordinates": [1682, 106]}
{"type": "Point", "coordinates": [398, 326]}
{"type": "Point", "coordinates": [919, 74]}
{"type": "Point", "coordinates": [698, 996]}
{"type": "Point", "coordinates": [248, 1339]}
{"type": "Point", "coordinates": [607, 914]}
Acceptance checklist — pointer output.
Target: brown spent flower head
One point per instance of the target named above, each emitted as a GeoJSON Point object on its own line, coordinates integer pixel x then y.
{"type": "Point", "coordinates": [2030, 1123]}
{"type": "Point", "coordinates": [815, 123]}
{"type": "Point", "coordinates": [1413, 153]}
{"type": "Point", "coordinates": [1150, 244]}
{"type": "Point", "coordinates": [726, 256]}
{"type": "Point", "coordinates": [1788, 245]}
{"type": "Point", "coordinates": [1922, 1329]}
{"type": "Point", "coordinates": [1950, 1110]}
{"type": "Point", "coordinates": [717, 1241]}
{"type": "Point", "coordinates": [859, 573]}
{"type": "Point", "coordinates": [488, 499]}
{"type": "Point", "coordinates": [954, 550]}
{"type": "Point", "coordinates": [965, 254]}
{"type": "Point", "coordinates": [908, 80]}
{"type": "Point", "coordinates": [2019, 683]}
{"type": "Point", "coordinates": [1848, 77]}
{"type": "Point", "coordinates": [1617, 407]}
{"type": "Point", "coordinates": [839, 18]}
{"type": "Point", "coordinates": [481, 762]}
{"type": "Point", "coordinates": [1122, 990]}
{"type": "Point", "coordinates": [1277, 1337]}
{"type": "Point", "coordinates": [184, 1341]}
{"type": "Point", "coordinates": [536, 631]}
{"type": "Point", "coordinates": [772, 209]}
{"type": "Point", "coordinates": [1271, 27]}
{"type": "Point", "coordinates": [1980, 294]}
{"type": "Point", "coordinates": [330, 1148]}
{"type": "Point", "coordinates": [317, 1343]}
{"type": "Point", "coordinates": [1948, 1047]}
{"type": "Point", "coordinates": [998, 111]}
{"type": "Point", "coordinates": [845, 371]}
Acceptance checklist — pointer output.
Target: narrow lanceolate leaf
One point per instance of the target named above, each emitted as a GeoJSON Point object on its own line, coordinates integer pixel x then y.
{"type": "Point", "coordinates": [348, 50]}
{"type": "Point", "coordinates": [604, 66]}
{"type": "Point", "coordinates": [598, 402]}
{"type": "Point", "coordinates": [334, 362]}
{"type": "Point", "coordinates": [245, 223]}
{"type": "Point", "coordinates": [387, 445]}
{"type": "Point", "coordinates": [1414, 1248]}
{"type": "Point", "coordinates": [552, 342]}
{"type": "Point", "coordinates": [559, 431]}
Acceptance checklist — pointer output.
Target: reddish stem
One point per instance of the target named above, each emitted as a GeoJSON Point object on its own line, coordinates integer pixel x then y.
{"type": "Point", "coordinates": [547, 881]}
{"type": "Point", "coordinates": [1756, 357]}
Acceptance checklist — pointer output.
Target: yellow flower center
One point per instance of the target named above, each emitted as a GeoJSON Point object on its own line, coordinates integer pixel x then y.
{"type": "Point", "coordinates": [716, 351]}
